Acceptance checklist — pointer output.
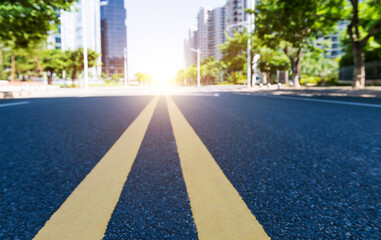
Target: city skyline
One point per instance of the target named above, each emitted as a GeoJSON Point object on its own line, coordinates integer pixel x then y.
{"type": "Point", "coordinates": [156, 38]}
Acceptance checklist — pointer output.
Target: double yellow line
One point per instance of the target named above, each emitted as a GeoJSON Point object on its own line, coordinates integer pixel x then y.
{"type": "Point", "coordinates": [218, 210]}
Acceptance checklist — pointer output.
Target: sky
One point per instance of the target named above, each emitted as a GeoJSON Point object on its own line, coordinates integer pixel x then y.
{"type": "Point", "coordinates": [156, 30]}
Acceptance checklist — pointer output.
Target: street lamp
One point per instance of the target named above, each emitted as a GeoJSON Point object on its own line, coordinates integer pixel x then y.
{"type": "Point", "coordinates": [125, 68]}
{"type": "Point", "coordinates": [84, 36]}
{"type": "Point", "coordinates": [198, 51]}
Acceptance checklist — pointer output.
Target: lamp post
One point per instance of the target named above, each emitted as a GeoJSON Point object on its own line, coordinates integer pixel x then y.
{"type": "Point", "coordinates": [198, 51]}
{"type": "Point", "coordinates": [125, 67]}
{"type": "Point", "coordinates": [126, 56]}
{"type": "Point", "coordinates": [84, 36]}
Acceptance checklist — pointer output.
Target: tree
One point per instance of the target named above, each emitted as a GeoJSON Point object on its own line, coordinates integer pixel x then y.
{"type": "Point", "coordinates": [116, 77]}
{"type": "Point", "coordinates": [293, 23]}
{"type": "Point", "coordinates": [53, 61]}
{"type": "Point", "coordinates": [271, 61]}
{"type": "Point", "coordinates": [210, 69]}
{"type": "Point", "coordinates": [372, 50]}
{"type": "Point", "coordinates": [234, 52]}
{"type": "Point", "coordinates": [191, 74]}
{"type": "Point", "coordinates": [74, 61]}
{"type": "Point", "coordinates": [23, 22]}
{"type": "Point", "coordinates": [143, 78]}
{"type": "Point", "coordinates": [180, 78]}
{"type": "Point", "coordinates": [318, 66]}
{"type": "Point", "coordinates": [360, 30]}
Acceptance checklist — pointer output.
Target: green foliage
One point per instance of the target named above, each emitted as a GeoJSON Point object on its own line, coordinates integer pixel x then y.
{"type": "Point", "coordinates": [316, 66]}
{"type": "Point", "coordinates": [234, 51]}
{"type": "Point", "coordinates": [372, 49]}
{"type": "Point", "coordinates": [25, 22]}
{"type": "Point", "coordinates": [211, 71]}
{"type": "Point", "coordinates": [116, 77]}
{"type": "Point", "coordinates": [235, 57]}
{"type": "Point", "coordinates": [143, 78]}
{"type": "Point", "coordinates": [296, 21]}
{"type": "Point", "coordinates": [180, 77]}
{"type": "Point", "coordinates": [74, 61]}
{"type": "Point", "coordinates": [5, 63]}
{"type": "Point", "coordinates": [33, 61]}
{"type": "Point", "coordinates": [293, 24]}
{"type": "Point", "coordinates": [364, 23]}
{"type": "Point", "coordinates": [191, 75]}
{"type": "Point", "coordinates": [27, 62]}
{"type": "Point", "coordinates": [53, 61]}
{"type": "Point", "coordinates": [272, 60]}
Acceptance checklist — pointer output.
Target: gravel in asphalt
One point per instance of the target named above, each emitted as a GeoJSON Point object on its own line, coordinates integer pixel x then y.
{"type": "Point", "coordinates": [154, 203]}
{"type": "Point", "coordinates": [306, 170]}
{"type": "Point", "coordinates": [47, 147]}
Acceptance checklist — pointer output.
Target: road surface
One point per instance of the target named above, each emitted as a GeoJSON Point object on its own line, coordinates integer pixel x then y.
{"type": "Point", "coordinates": [226, 165]}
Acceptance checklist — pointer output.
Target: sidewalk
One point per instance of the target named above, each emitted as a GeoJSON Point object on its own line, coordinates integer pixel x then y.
{"type": "Point", "coordinates": [368, 92]}
{"type": "Point", "coordinates": [43, 91]}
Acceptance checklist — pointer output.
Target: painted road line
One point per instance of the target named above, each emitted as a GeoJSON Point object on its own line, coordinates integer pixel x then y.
{"type": "Point", "coordinates": [218, 210]}
{"type": "Point", "coordinates": [13, 104]}
{"type": "Point", "coordinates": [324, 101]}
{"type": "Point", "coordinates": [86, 212]}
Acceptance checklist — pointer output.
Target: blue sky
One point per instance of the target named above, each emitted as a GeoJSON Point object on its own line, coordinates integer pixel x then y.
{"type": "Point", "coordinates": [156, 33]}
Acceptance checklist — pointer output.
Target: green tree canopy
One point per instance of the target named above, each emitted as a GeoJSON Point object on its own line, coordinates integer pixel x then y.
{"type": "Point", "coordinates": [180, 77]}
{"type": "Point", "coordinates": [74, 61]}
{"type": "Point", "coordinates": [53, 61]}
{"type": "Point", "coordinates": [234, 55]}
{"type": "Point", "coordinates": [293, 24]}
{"type": "Point", "coordinates": [363, 29]}
{"type": "Point", "coordinates": [23, 22]}
{"type": "Point", "coordinates": [143, 78]}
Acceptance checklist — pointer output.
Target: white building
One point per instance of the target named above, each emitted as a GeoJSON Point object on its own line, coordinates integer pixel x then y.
{"type": "Point", "coordinates": [72, 29]}
{"type": "Point", "coordinates": [54, 39]}
{"type": "Point", "coordinates": [202, 32]}
{"type": "Point", "coordinates": [216, 31]}
{"type": "Point", "coordinates": [235, 15]}
{"type": "Point", "coordinates": [190, 43]}
{"type": "Point", "coordinates": [212, 25]}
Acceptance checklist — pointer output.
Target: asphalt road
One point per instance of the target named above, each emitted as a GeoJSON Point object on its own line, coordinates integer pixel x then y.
{"type": "Point", "coordinates": [305, 169]}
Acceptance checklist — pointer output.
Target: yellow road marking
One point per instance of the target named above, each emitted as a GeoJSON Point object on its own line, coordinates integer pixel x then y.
{"type": "Point", "coordinates": [218, 210]}
{"type": "Point", "coordinates": [86, 212]}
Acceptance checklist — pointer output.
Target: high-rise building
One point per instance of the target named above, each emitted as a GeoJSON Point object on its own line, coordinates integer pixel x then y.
{"type": "Point", "coordinates": [334, 49]}
{"type": "Point", "coordinates": [83, 13]}
{"type": "Point", "coordinates": [114, 37]}
{"type": "Point", "coordinates": [54, 39]}
{"type": "Point", "coordinates": [235, 15]}
{"type": "Point", "coordinates": [105, 31]}
{"type": "Point", "coordinates": [211, 27]}
{"type": "Point", "coordinates": [216, 32]}
{"type": "Point", "coordinates": [203, 30]}
{"type": "Point", "coordinates": [189, 44]}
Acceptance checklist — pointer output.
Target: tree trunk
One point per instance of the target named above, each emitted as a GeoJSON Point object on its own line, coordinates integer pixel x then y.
{"type": "Point", "coordinates": [13, 67]}
{"type": "Point", "coordinates": [296, 73]}
{"type": "Point", "coordinates": [50, 78]}
{"type": "Point", "coordinates": [270, 78]}
{"type": "Point", "coordinates": [359, 67]}
{"type": "Point", "coordinates": [72, 79]}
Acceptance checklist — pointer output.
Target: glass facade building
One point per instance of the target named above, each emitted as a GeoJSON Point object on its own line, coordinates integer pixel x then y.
{"type": "Point", "coordinates": [114, 37]}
